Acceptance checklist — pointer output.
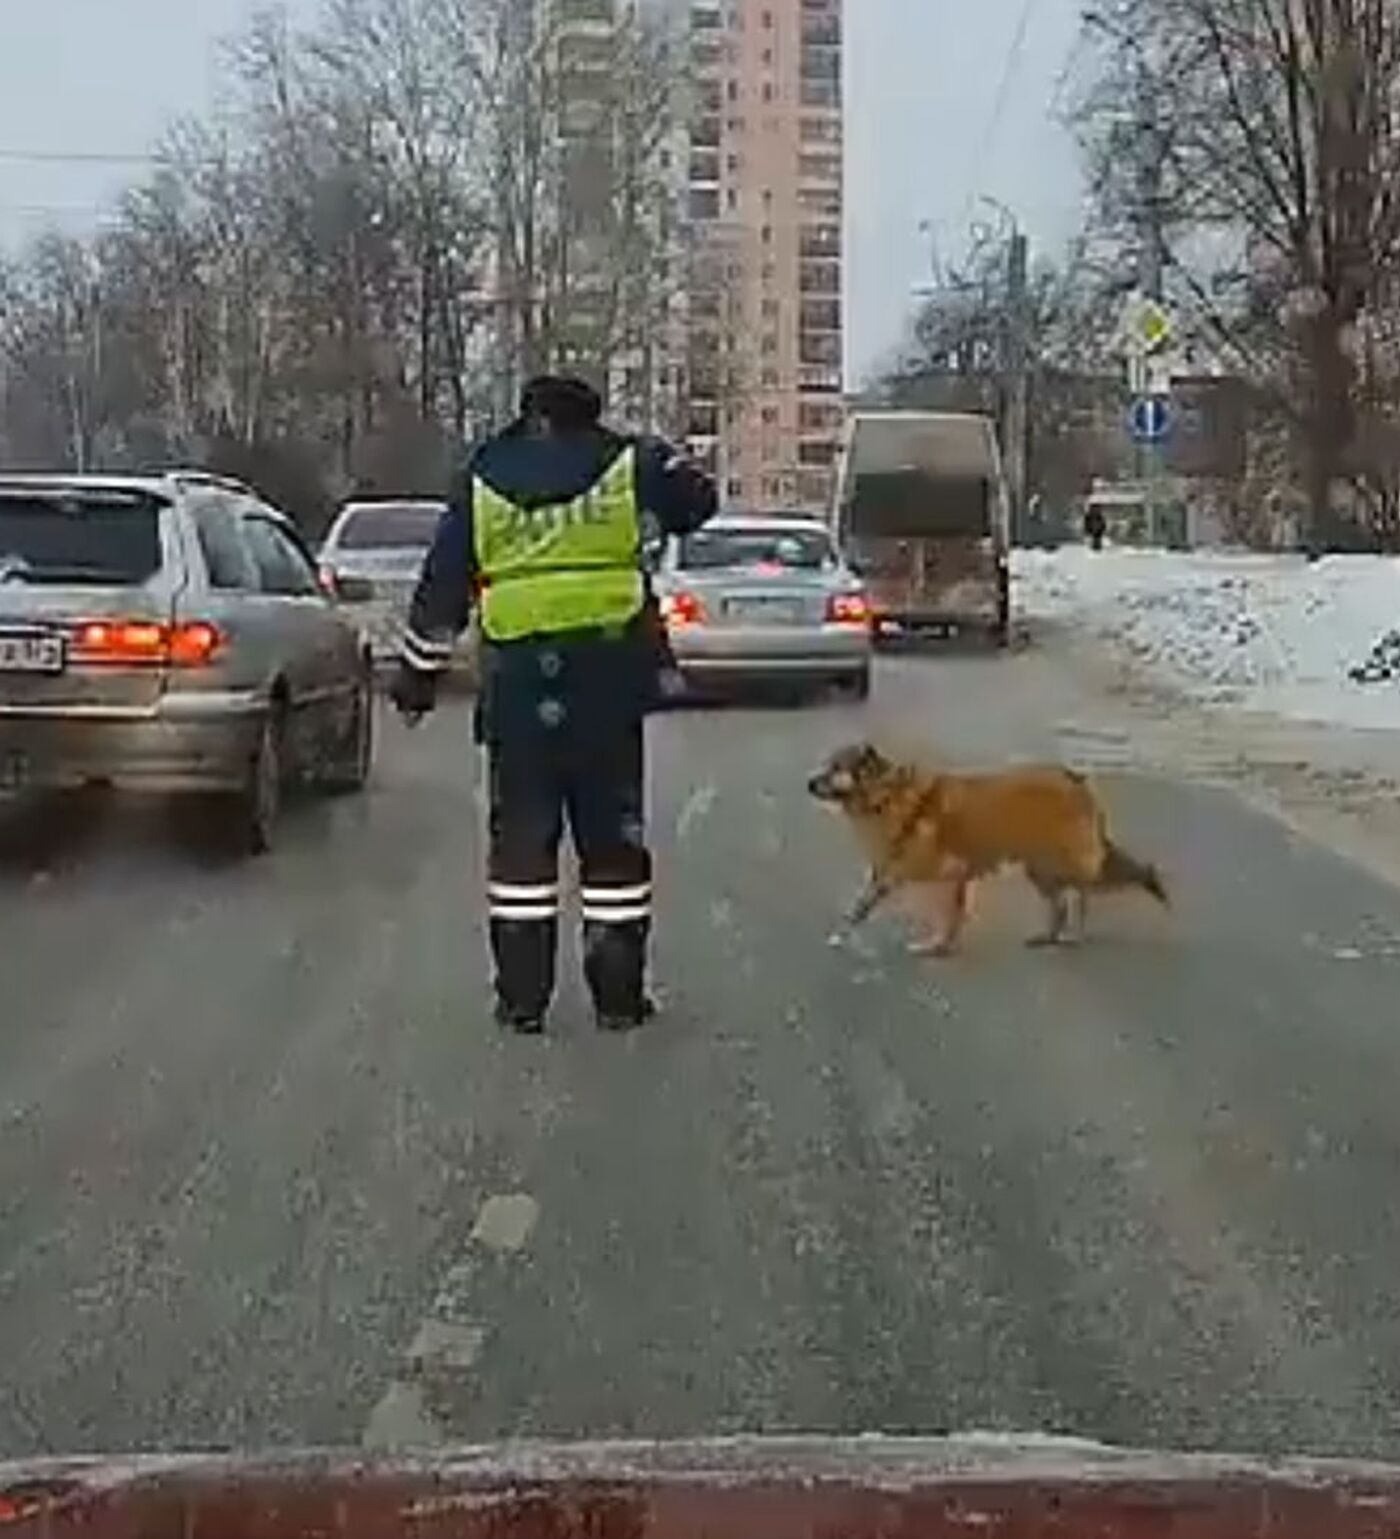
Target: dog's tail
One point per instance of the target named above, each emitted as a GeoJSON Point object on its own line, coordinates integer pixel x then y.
{"type": "Point", "coordinates": [1123, 870]}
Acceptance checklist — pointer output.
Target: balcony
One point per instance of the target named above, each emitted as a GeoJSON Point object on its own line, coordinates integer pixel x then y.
{"type": "Point", "coordinates": [819, 381]}
{"type": "Point", "coordinates": [704, 168]}
{"type": "Point", "coordinates": [821, 315]}
{"type": "Point", "coordinates": [819, 168]}
{"type": "Point", "coordinates": [819, 349]}
{"type": "Point", "coordinates": [820, 242]}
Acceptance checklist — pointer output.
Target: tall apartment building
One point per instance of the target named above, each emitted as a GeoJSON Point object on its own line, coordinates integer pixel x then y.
{"type": "Point", "coordinates": [765, 208]}
{"type": "Point", "coordinates": [587, 257]}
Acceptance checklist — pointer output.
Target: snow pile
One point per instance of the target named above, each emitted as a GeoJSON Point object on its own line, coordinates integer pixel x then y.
{"type": "Point", "coordinates": [1317, 641]}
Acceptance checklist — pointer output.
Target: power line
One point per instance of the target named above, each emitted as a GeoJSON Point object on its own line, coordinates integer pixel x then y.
{"type": "Point", "coordinates": [1009, 71]}
{"type": "Point", "coordinates": [77, 158]}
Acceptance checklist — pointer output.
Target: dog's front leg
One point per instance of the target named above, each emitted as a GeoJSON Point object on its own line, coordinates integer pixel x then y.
{"type": "Point", "coordinates": [944, 941]}
{"type": "Point", "coordinates": [877, 889]}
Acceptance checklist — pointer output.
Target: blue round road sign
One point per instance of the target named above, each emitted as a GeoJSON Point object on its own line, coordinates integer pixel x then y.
{"type": "Point", "coordinates": [1150, 419]}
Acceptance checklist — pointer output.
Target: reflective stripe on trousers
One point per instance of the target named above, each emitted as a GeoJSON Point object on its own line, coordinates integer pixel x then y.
{"type": "Point", "coordinates": [623, 903]}
{"type": "Point", "coordinates": [523, 902]}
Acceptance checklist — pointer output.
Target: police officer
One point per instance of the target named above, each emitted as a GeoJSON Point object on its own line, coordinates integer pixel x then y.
{"type": "Point", "coordinates": [544, 533]}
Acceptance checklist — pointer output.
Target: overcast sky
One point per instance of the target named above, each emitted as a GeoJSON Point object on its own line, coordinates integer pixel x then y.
{"type": "Point", "coordinates": [102, 77]}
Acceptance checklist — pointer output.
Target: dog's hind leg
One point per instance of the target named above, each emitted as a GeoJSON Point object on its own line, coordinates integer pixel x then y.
{"type": "Point", "coordinates": [1057, 903]}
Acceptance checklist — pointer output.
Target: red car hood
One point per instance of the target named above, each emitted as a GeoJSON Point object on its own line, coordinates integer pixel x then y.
{"type": "Point", "coordinates": [761, 1488]}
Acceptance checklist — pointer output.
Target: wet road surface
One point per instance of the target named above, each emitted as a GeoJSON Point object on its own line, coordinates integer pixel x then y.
{"type": "Point", "coordinates": [269, 1177]}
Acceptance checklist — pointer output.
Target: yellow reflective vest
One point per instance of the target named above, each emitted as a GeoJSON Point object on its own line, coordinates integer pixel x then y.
{"type": "Point", "coordinates": [563, 566]}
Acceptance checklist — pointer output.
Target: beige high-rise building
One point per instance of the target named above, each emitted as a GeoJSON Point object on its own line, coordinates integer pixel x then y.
{"type": "Point", "coordinates": [765, 204]}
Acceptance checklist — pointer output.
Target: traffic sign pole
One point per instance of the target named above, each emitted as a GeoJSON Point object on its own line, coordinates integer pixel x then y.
{"type": "Point", "coordinates": [1148, 332]}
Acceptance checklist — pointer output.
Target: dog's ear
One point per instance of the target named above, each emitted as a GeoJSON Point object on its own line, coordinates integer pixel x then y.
{"type": "Point", "coordinates": [868, 759]}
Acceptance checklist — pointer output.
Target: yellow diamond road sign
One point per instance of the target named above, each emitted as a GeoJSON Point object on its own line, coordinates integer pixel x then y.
{"type": "Point", "coordinates": [1154, 326]}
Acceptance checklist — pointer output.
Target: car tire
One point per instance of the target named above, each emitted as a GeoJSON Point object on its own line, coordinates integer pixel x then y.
{"type": "Point", "coordinates": [349, 770]}
{"type": "Point", "coordinates": [857, 687]}
{"type": "Point", "coordinates": [1001, 626]}
{"type": "Point", "coordinates": [245, 821]}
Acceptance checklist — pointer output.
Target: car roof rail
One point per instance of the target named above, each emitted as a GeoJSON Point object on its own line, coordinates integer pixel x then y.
{"type": "Point", "coordinates": [227, 483]}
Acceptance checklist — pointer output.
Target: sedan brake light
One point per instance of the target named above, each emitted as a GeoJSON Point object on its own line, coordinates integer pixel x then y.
{"type": "Point", "coordinates": [849, 609]}
{"type": "Point", "coordinates": [682, 609]}
{"type": "Point", "coordinates": [129, 643]}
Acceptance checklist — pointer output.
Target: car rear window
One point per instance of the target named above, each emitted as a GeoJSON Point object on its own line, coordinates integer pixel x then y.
{"type": "Point", "coordinates": [802, 550]}
{"type": "Point", "coordinates": [908, 505]}
{"type": "Point", "coordinates": [389, 526]}
{"type": "Point", "coordinates": [102, 540]}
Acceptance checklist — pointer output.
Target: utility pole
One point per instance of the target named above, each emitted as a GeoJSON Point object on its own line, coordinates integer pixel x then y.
{"type": "Point", "coordinates": [1151, 262]}
{"type": "Point", "coordinates": [1017, 365]}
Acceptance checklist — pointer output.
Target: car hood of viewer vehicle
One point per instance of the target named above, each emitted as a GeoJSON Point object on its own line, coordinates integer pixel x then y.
{"type": "Point", "coordinates": [997, 1486]}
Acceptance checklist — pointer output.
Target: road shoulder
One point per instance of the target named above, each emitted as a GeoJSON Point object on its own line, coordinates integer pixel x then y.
{"type": "Point", "coordinates": [1337, 786]}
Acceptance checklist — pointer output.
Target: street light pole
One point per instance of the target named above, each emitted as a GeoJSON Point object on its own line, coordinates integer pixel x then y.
{"type": "Point", "coordinates": [1017, 364]}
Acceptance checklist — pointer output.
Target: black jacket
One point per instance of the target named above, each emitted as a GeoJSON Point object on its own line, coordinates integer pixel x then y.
{"type": "Point", "coordinates": [584, 675]}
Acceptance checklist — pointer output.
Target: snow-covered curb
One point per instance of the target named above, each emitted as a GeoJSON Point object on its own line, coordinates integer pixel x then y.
{"type": "Point", "coordinates": [1265, 633]}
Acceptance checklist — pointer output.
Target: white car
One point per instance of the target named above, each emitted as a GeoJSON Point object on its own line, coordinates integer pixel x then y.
{"type": "Point", "coordinates": [754, 598]}
{"type": "Point", "coordinates": [370, 560]}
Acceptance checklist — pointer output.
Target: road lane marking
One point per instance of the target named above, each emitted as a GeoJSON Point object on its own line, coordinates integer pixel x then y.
{"type": "Point", "coordinates": [506, 1222]}
{"type": "Point", "coordinates": [448, 1345]}
{"type": "Point", "coordinates": [401, 1420]}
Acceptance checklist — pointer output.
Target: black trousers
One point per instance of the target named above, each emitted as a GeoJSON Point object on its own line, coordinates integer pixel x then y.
{"type": "Point", "coordinates": [596, 782]}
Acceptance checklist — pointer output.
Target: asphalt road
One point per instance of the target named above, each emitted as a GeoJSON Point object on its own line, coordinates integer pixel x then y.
{"type": "Point", "coordinates": [268, 1177]}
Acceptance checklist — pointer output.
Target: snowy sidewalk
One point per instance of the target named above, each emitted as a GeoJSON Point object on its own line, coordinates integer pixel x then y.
{"type": "Point", "coordinates": [1316, 642]}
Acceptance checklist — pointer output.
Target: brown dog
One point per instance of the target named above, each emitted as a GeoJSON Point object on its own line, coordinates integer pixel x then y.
{"type": "Point", "coordinates": [947, 831]}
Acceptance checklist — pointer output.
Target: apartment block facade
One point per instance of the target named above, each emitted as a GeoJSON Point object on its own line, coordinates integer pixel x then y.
{"type": "Point", "coordinates": [765, 207]}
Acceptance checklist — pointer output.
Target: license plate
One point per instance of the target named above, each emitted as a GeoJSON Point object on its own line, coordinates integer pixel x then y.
{"type": "Point", "coordinates": [774, 611]}
{"type": "Point", "coordinates": [31, 652]}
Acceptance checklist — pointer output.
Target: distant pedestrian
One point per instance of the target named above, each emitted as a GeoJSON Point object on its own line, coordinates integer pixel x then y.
{"type": "Point", "coordinates": [1095, 526]}
{"type": "Point", "coordinates": [545, 533]}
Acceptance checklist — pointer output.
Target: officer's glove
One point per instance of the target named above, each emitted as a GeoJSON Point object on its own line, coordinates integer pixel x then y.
{"type": "Point", "coordinates": [413, 692]}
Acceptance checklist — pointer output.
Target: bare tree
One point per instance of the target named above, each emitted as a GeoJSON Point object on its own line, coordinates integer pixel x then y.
{"type": "Point", "coordinates": [1255, 145]}
{"type": "Point", "coordinates": [360, 254]}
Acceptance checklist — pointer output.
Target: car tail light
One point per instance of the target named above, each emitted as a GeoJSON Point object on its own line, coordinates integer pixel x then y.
{"type": "Point", "coordinates": [194, 644]}
{"type": "Point", "coordinates": [325, 575]}
{"type": "Point", "coordinates": [682, 609]}
{"type": "Point", "coordinates": [849, 609]}
{"type": "Point", "coordinates": [129, 643]}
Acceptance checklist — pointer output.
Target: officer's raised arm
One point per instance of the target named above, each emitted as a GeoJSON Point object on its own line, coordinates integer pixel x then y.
{"type": "Point", "coordinates": [673, 488]}
{"type": "Point", "coordinates": [441, 606]}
